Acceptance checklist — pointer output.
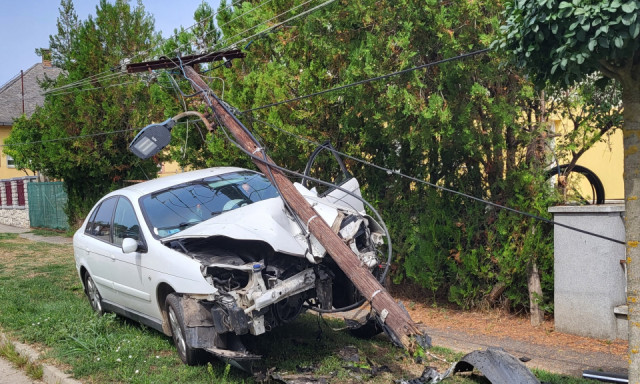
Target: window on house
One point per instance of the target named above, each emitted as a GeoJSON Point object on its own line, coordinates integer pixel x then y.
{"type": "Point", "coordinates": [10, 162]}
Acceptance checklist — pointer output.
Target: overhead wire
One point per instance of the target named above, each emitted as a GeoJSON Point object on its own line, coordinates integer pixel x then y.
{"type": "Point", "coordinates": [269, 164]}
{"type": "Point", "coordinates": [267, 21]}
{"type": "Point", "coordinates": [390, 171]}
{"type": "Point", "coordinates": [269, 29]}
{"type": "Point", "coordinates": [369, 80]}
{"type": "Point", "coordinates": [439, 187]}
{"type": "Point", "coordinates": [83, 136]}
{"type": "Point", "coordinates": [110, 72]}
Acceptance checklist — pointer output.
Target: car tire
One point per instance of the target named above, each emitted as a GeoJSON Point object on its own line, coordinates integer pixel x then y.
{"type": "Point", "coordinates": [368, 330]}
{"type": "Point", "coordinates": [91, 290]}
{"type": "Point", "coordinates": [175, 315]}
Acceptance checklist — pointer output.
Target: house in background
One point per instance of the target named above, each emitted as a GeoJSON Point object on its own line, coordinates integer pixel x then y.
{"type": "Point", "coordinates": [605, 159]}
{"type": "Point", "coordinates": [20, 95]}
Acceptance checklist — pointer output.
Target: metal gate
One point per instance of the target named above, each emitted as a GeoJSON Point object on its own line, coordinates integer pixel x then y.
{"type": "Point", "coordinates": [46, 205]}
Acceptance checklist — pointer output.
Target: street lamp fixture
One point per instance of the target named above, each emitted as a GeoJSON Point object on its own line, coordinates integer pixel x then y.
{"type": "Point", "coordinates": [154, 137]}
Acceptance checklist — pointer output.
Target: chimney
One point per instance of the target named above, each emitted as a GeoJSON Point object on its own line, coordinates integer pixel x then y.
{"type": "Point", "coordinates": [46, 57]}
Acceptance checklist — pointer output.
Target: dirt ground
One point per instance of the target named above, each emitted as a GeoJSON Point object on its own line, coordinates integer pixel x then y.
{"type": "Point", "coordinates": [498, 324]}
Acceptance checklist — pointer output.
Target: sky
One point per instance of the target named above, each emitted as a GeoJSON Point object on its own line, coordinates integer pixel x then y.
{"type": "Point", "coordinates": [26, 25]}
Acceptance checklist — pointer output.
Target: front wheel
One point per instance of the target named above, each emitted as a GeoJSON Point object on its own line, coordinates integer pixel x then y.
{"type": "Point", "coordinates": [188, 355]}
{"type": "Point", "coordinates": [93, 295]}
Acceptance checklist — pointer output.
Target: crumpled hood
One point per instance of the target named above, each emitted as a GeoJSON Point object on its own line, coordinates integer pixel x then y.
{"type": "Point", "coordinates": [263, 221]}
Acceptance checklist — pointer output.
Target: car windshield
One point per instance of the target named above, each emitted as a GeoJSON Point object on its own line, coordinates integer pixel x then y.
{"type": "Point", "coordinates": [174, 209]}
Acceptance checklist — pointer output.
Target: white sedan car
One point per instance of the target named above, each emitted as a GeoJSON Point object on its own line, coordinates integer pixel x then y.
{"type": "Point", "coordinates": [210, 255]}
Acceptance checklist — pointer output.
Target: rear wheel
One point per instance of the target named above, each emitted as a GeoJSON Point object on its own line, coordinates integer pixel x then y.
{"type": "Point", "coordinates": [188, 355]}
{"type": "Point", "coordinates": [93, 295]}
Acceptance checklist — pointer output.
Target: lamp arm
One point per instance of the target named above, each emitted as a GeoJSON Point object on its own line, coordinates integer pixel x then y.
{"type": "Point", "coordinates": [194, 113]}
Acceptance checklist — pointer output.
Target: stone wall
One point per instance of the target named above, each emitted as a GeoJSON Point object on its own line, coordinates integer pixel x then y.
{"type": "Point", "coordinates": [15, 214]}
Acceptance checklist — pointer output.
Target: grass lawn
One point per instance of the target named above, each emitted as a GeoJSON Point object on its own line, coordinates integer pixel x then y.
{"type": "Point", "coordinates": [42, 303]}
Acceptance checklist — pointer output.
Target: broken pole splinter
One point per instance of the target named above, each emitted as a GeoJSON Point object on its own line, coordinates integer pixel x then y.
{"type": "Point", "coordinates": [396, 319]}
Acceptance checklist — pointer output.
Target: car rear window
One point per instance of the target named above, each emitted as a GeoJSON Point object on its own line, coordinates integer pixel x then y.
{"type": "Point", "coordinates": [174, 209]}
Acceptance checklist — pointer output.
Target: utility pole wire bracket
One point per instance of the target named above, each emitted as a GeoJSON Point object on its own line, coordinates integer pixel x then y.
{"type": "Point", "coordinates": [167, 63]}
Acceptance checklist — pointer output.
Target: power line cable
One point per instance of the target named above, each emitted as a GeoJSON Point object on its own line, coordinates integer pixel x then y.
{"type": "Point", "coordinates": [68, 138]}
{"type": "Point", "coordinates": [388, 75]}
{"type": "Point", "coordinates": [267, 21]}
{"type": "Point", "coordinates": [88, 89]}
{"type": "Point", "coordinates": [246, 13]}
{"type": "Point", "coordinates": [269, 29]}
{"type": "Point", "coordinates": [94, 78]}
{"type": "Point", "coordinates": [445, 189]}
{"type": "Point", "coordinates": [83, 136]}
{"type": "Point", "coordinates": [108, 73]}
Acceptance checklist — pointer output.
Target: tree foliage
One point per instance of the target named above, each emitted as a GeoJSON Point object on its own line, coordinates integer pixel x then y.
{"type": "Point", "coordinates": [462, 125]}
{"type": "Point", "coordinates": [564, 42]}
{"type": "Point", "coordinates": [98, 115]}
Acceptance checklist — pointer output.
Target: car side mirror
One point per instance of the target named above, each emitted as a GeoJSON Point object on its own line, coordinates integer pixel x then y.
{"type": "Point", "coordinates": [130, 245]}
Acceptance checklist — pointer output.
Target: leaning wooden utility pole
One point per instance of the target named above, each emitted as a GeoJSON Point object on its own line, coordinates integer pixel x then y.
{"type": "Point", "coordinates": [396, 318]}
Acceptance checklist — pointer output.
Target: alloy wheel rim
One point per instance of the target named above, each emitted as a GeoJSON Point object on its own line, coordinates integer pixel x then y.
{"type": "Point", "coordinates": [177, 333]}
{"type": "Point", "coordinates": [94, 295]}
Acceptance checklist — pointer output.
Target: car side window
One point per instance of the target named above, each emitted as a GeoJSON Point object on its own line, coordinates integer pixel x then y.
{"type": "Point", "coordinates": [125, 222]}
{"type": "Point", "coordinates": [89, 228]}
{"type": "Point", "coordinates": [100, 227]}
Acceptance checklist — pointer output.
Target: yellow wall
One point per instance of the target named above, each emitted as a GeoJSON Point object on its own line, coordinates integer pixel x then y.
{"type": "Point", "coordinates": [605, 159]}
{"type": "Point", "coordinates": [170, 168]}
{"type": "Point", "coordinates": [6, 172]}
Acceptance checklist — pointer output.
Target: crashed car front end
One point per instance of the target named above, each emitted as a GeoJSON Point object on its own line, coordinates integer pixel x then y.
{"type": "Point", "coordinates": [267, 269]}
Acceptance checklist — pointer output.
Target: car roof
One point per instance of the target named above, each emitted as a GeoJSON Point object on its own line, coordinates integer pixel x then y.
{"type": "Point", "coordinates": [169, 181]}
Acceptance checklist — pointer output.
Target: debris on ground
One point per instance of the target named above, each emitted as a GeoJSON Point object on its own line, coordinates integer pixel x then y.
{"type": "Point", "coordinates": [271, 376]}
{"type": "Point", "coordinates": [349, 353]}
{"type": "Point", "coordinates": [494, 363]}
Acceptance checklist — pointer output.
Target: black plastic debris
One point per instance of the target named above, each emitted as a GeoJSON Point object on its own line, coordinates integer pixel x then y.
{"type": "Point", "coordinates": [495, 364]}
{"type": "Point", "coordinates": [498, 366]}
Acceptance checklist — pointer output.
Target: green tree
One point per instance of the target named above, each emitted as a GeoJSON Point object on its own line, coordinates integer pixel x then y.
{"type": "Point", "coordinates": [562, 42]}
{"type": "Point", "coordinates": [60, 44]}
{"type": "Point", "coordinates": [458, 125]}
{"type": "Point", "coordinates": [98, 114]}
